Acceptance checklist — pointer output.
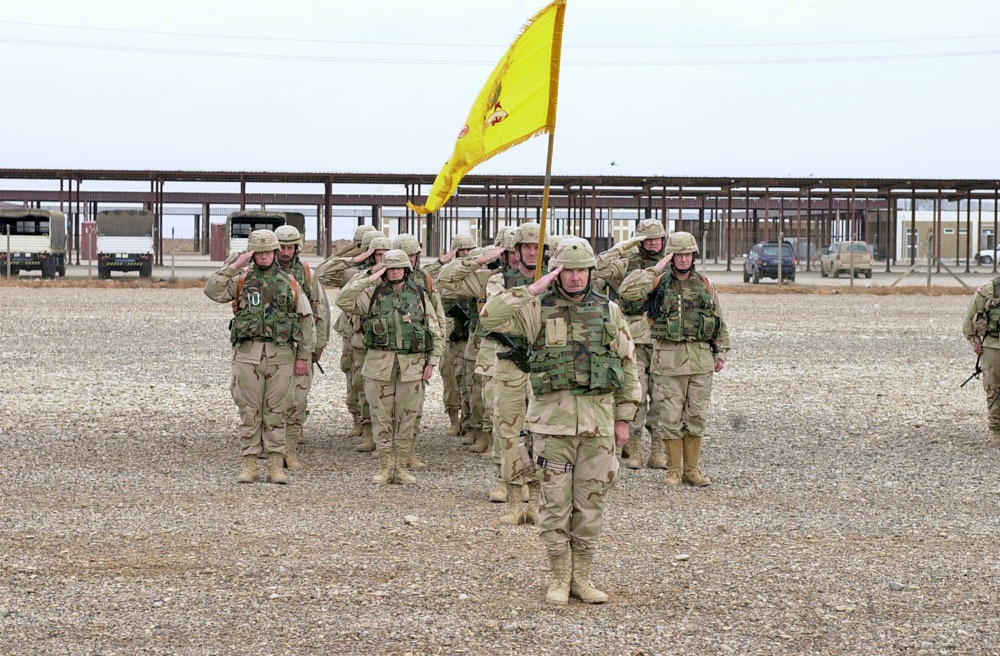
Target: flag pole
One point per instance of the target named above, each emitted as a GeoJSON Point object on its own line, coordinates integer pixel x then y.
{"type": "Point", "coordinates": [554, 63]}
{"type": "Point", "coordinates": [545, 203]}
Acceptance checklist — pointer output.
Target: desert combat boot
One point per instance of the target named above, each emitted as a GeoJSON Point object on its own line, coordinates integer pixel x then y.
{"type": "Point", "coordinates": [249, 471]}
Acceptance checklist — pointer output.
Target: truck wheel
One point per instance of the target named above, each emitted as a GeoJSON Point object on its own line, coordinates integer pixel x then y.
{"type": "Point", "coordinates": [746, 276]}
{"type": "Point", "coordinates": [146, 270]}
{"type": "Point", "coordinates": [756, 277]}
{"type": "Point", "coordinates": [62, 267]}
{"type": "Point", "coordinates": [102, 272]}
{"type": "Point", "coordinates": [868, 273]}
{"type": "Point", "coordinates": [836, 273]}
{"type": "Point", "coordinates": [49, 269]}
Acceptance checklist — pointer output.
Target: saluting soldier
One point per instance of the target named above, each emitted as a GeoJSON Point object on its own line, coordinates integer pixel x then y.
{"type": "Point", "coordinates": [586, 391]}
{"type": "Point", "coordinates": [272, 334]}
{"type": "Point", "coordinates": [403, 336]}
{"type": "Point", "coordinates": [690, 343]}
{"type": "Point", "coordinates": [290, 245]}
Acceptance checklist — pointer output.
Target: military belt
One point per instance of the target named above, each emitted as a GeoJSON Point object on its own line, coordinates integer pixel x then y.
{"type": "Point", "coordinates": [545, 463]}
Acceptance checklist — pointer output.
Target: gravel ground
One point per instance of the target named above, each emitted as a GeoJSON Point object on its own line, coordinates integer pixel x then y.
{"type": "Point", "coordinates": [855, 507]}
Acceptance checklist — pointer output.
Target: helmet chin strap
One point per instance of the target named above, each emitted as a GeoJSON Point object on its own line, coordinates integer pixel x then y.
{"type": "Point", "coordinates": [652, 254]}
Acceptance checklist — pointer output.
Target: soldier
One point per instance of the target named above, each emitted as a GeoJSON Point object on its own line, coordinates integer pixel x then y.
{"type": "Point", "coordinates": [336, 271]}
{"type": "Point", "coordinates": [982, 328]}
{"type": "Point", "coordinates": [690, 342]}
{"type": "Point", "coordinates": [333, 271]}
{"type": "Point", "coordinates": [410, 245]}
{"type": "Point", "coordinates": [290, 244]}
{"type": "Point", "coordinates": [510, 388]}
{"type": "Point", "coordinates": [458, 314]}
{"type": "Point", "coordinates": [272, 334]}
{"type": "Point", "coordinates": [403, 338]}
{"type": "Point", "coordinates": [586, 391]}
{"type": "Point", "coordinates": [643, 250]}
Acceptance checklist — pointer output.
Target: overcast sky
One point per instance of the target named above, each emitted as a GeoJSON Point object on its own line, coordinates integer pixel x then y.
{"type": "Point", "coordinates": [873, 88]}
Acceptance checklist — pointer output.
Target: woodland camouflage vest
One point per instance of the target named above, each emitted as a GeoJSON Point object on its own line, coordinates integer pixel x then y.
{"type": "Point", "coordinates": [686, 311]}
{"type": "Point", "coordinates": [265, 307]}
{"type": "Point", "coordinates": [397, 320]}
{"type": "Point", "coordinates": [577, 348]}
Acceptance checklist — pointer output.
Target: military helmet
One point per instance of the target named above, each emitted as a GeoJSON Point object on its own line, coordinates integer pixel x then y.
{"type": "Point", "coordinates": [681, 242]}
{"type": "Point", "coordinates": [463, 241]}
{"type": "Point", "coordinates": [380, 243]}
{"type": "Point", "coordinates": [527, 233]}
{"type": "Point", "coordinates": [262, 241]}
{"type": "Point", "coordinates": [498, 239]}
{"type": "Point", "coordinates": [476, 252]}
{"type": "Point", "coordinates": [650, 229]}
{"type": "Point", "coordinates": [288, 234]}
{"type": "Point", "coordinates": [573, 253]}
{"type": "Point", "coordinates": [508, 241]}
{"type": "Point", "coordinates": [407, 243]}
{"type": "Point", "coordinates": [361, 231]}
{"type": "Point", "coordinates": [396, 259]}
{"type": "Point", "coordinates": [552, 242]}
{"type": "Point", "coordinates": [366, 239]}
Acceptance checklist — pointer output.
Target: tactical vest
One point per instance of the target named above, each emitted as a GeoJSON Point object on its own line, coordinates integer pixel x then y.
{"type": "Point", "coordinates": [992, 311]}
{"type": "Point", "coordinates": [577, 350]}
{"type": "Point", "coordinates": [511, 278]}
{"type": "Point", "coordinates": [303, 276]}
{"type": "Point", "coordinates": [686, 312]}
{"type": "Point", "coordinates": [636, 261]}
{"type": "Point", "coordinates": [264, 307]}
{"type": "Point", "coordinates": [397, 321]}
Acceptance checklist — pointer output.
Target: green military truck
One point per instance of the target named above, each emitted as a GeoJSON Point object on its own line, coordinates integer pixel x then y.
{"type": "Point", "coordinates": [124, 242]}
{"type": "Point", "coordinates": [241, 223]}
{"type": "Point", "coordinates": [32, 240]}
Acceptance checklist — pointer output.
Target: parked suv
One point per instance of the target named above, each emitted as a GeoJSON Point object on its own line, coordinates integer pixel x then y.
{"type": "Point", "coordinates": [841, 256]}
{"type": "Point", "coordinates": [762, 262]}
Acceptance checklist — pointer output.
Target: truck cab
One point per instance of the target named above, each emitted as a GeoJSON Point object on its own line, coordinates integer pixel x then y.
{"type": "Point", "coordinates": [32, 239]}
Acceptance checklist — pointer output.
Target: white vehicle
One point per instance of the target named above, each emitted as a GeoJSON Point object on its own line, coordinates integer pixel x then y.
{"type": "Point", "coordinates": [124, 242]}
{"type": "Point", "coordinates": [32, 239]}
{"type": "Point", "coordinates": [988, 255]}
{"type": "Point", "coordinates": [241, 223]}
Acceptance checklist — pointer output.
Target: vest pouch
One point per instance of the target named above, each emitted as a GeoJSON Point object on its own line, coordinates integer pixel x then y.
{"type": "Point", "coordinates": [555, 332]}
{"type": "Point", "coordinates": [549, 373]}
{"type": "Point", "coordinates": [376, 334]}
{"type": "Point", "coordinates": [993, 321]}
{"type": "Point", "coordinates": [708, 327]}
{"type": "Point", "coordinates": [606, 373]}
{"type": "Point", "coordinates": [422, 340]}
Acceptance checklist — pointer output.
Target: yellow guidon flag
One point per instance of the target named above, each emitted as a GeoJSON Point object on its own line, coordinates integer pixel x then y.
{"type": "Point", "coordinates": [518, 102]}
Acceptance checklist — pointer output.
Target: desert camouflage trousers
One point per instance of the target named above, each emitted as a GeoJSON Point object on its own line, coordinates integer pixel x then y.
{"type": "Point", "coordinates": [571, 503]}
{"type": "Point", "coordinates": [488, 423]}
{"type": "Point", "coordinates": [395, 409]}
{"type": "Point", "coordinates": [263, 395]}
{"type": "Point", "coordinates": [347, 367]}
{"type": "Point", "coordinates": [646, 413]}
{"type": "Point", "coordinates": [300, 406]}
{"type": "Point", "coordinates": [453, 376]}
{"type": "Point", "coordinates": [510, 404]}
{"type": "Point", "coordinates": [358, 383]}
{"type": "Point", "coordinates": [681, 405]}
{"type": "Point", "coordinates": [477, 411]}
{"type": "Point", "coordinates": [991, 383]}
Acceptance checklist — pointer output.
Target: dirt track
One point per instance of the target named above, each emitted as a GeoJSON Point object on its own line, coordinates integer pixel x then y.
{"type": "Point", "coordinates": [855, 507]}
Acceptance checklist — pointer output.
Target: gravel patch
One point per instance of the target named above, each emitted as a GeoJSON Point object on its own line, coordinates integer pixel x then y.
{"type": "Point", "coordinates": [855, 505]}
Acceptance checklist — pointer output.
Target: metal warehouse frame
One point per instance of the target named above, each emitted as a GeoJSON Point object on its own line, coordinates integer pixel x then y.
{"type": "Point", "coordinates": [728, 214]}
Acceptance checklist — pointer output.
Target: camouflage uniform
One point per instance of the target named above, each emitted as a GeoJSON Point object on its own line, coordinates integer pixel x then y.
{"type": "Point", "coordinates": [463, 281]}
{"type": "Point", "coordinates": [321, 315]}
{"type": "Point", "coordinates": [613, 266]}
{"type": "Point", "coordinates": [337, 272]}
{"type": "Point", "coordinates": [402, 332]}
{"type": "Point", "coordinates": [689, 336]}
{"type": "Point", "coordinates": [982, 329]}
{"type": "Point", "coordinates": [272, 328]}
{"type": "Point", "coordinates": [584, 380]}
{"type": "Point", "coordinates": [342, 326]}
